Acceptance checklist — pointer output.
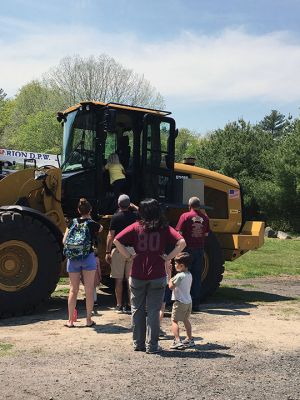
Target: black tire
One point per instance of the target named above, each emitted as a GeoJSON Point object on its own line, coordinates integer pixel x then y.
{"type": "Point", "coordinates": [213, 267]}
{"type": "Point", "coordinates": [28, 243]}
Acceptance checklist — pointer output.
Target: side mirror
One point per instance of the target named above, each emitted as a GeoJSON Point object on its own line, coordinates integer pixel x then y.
{"type": "Point", "coordinates": [110, 120]}
{"type": "Point", "coordinates": [59, 160]}
{"type": "Point", "coordinates": [61, 117]}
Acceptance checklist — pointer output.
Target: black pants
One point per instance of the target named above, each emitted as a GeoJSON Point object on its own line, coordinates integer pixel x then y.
{"type": "Point", "coordinates": [196, 269]}
{"type": "Point", "coordinates": [118, 187]}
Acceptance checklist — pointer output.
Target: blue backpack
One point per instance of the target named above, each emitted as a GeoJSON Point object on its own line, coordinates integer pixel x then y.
{"type": "Point", "coordinates": [78, 241]}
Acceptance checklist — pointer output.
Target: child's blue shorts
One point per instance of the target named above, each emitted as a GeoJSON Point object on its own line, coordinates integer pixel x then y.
{"type": "Point", "coordinates": [87, 264]}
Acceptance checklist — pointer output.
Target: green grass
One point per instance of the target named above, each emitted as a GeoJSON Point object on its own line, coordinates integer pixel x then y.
{"type": "Point", "coordinates": [61, 292]}
{"type": "Point", "coordinates": [63, 281]}
{"type": "Point", "coordinates": [276, 257]}
{"type": "Point", "coordinates": [5, 348]}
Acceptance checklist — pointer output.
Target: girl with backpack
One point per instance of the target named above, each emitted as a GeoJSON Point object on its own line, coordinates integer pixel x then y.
{"type": "Point", "coordinates": [78, 248]}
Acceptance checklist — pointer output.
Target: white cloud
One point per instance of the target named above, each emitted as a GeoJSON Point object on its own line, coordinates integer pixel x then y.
{"type": "Point", "coordinates": [231, 66]}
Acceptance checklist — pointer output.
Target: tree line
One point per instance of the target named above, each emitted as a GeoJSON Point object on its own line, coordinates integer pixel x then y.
{"type": "Point", "coordinates": [264, 157]}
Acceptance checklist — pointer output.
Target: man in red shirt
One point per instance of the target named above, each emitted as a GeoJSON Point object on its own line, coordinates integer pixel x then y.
{"type": "Point", "coordinates": [194, 227]}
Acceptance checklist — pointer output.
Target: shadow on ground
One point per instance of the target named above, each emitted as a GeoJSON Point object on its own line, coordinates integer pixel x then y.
{"type": "Point", "coordinates": [235, 301]}
{"type": "Point", "coordinates": [208, 350]}
{"type": "Point", "coordinates": [56, 308]}
{"type": "Point", "coordinates": [226, 301]}
{"type": "Point", "coordinates": [233, 294]}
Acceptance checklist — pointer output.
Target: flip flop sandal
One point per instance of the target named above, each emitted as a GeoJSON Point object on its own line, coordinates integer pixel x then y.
{"type": "Point", "coordinates": [69, 326]}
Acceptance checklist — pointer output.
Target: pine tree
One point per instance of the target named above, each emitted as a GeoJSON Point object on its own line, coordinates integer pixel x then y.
{"type": "Point", "coordinates": [274, 123]}
{"type": "Point", "coordinates": [2, 95]}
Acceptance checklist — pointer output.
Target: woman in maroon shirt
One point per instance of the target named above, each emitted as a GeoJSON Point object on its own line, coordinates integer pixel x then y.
{"type": "Point", "coordinates": [149, 237]}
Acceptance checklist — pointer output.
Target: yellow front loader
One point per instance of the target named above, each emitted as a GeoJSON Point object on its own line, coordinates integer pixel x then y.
{"type": "Point", "coordinates": [36, 202]}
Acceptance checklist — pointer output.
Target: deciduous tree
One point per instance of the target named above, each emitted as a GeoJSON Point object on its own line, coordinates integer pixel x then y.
{"type": "Point", "coordinates": [40, 133]}
{"type": "Point", "coordinates": [23, 132]}
{"type": "Point", "coordinates": [101, 79]}
{"type": "Point", "coordinates": [186, 144]}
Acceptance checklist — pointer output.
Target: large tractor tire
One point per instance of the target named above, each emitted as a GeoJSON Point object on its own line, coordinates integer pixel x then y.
{"type": "Point", "coordinates": [30, 262]}
{"type": "Point", "coordinates": [213, 269]}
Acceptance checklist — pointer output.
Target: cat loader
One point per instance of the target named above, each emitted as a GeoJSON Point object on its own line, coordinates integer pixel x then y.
{"type": "Point", "coordinates": [36, 202]}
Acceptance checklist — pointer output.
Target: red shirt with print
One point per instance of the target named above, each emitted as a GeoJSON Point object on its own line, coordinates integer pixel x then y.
{"type": "Point", "coordinates": [149, 246]}
{"type": "Point", "coordinates": [194, 225]}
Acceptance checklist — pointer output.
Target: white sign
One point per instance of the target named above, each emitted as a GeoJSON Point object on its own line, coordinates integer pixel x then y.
{"type": "Point", "coordinates": [19, 156]}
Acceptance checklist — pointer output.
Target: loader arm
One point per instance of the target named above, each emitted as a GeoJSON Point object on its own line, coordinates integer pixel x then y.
{"type": "Point", "coordinates": [39, 189]}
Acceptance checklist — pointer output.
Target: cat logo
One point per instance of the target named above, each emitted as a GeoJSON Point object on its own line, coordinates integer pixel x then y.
{"type": "Point", "coordinates": [198, 219]}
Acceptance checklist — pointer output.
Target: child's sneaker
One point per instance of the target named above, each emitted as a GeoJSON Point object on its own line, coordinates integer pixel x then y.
{"type": "Point", "coordinates": [188, 343]}
{"type": "Point", "coordinates": [177, 345]}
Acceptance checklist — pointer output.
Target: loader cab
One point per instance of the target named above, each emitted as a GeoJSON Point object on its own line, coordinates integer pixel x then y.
{"type": "Point", "coordinates": [144, 141]}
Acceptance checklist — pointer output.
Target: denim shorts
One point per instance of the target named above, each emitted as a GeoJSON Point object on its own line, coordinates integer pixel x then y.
{"type": "Point", "coordinates": [87, 264]}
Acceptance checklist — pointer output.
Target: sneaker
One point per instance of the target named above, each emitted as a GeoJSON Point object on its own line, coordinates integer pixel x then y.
{"type": "Point", "coordinates": [154, 351]}
{"type": "Point", "coordinates": [177, 345]}
{"type": "Point", "coordinates": [138, 348]}
{"type": "Point", "coordinates": [119, 309]}
{"type": "Point", "coordinates": [127, 309]}
{"type": "Point", "coordinates": [162, 333]}
{"type": "Point", "coordinates": [188, 343]}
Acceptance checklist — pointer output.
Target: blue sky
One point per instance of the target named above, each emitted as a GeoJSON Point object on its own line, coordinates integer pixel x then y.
{"type": "Point", "coordinates": [213, 61]}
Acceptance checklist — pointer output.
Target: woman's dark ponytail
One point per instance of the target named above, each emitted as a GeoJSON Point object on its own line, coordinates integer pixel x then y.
{"type": "Point", "coordinates": [151, 216]}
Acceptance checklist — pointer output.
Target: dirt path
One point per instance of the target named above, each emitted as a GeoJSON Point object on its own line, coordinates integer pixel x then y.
{"type": "Point", "coordinates": [245, 350]}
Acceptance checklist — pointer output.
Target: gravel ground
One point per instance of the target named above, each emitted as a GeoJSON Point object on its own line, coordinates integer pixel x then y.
{"type": "Point", "coordinates": [245, 350]}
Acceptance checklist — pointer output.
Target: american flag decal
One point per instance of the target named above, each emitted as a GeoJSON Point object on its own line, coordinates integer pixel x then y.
{"type": "Point", "coordinates": [234, 193]}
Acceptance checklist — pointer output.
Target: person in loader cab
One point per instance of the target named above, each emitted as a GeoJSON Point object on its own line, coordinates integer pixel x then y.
{"type": "Point", "coordinates": [194, 227]}
{"type": "Point", "coordinates": [116, 174]}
